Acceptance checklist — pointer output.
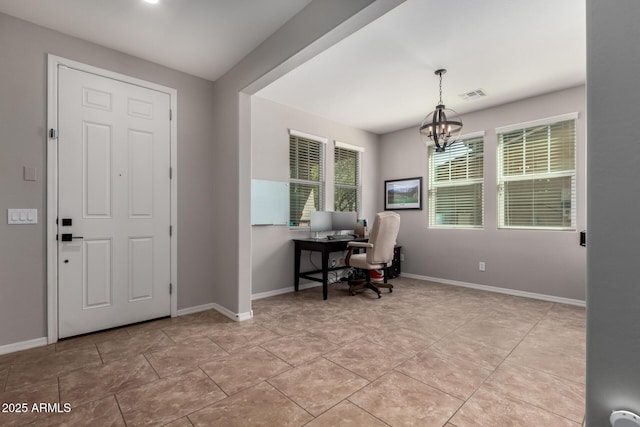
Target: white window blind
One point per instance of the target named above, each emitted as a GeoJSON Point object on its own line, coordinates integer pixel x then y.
{"type": "Point", "coordinates": [456, 184]}
{"type": "Point", "coordinates": [306, 178]}
{"type": "Point", "coordinates": [537, 176]}
{"type": "Point", "coordinates": [347, 170]}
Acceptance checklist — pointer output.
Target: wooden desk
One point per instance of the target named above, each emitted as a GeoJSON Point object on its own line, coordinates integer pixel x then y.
{"type": "Point", "coordinates": [325, 247]}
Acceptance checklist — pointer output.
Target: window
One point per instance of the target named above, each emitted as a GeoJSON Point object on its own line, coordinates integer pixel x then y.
{"type": "Point", "coordinates": [347, 190]}
{"type": "Point", "coordinates": [306, 177]}
{"type": "Point", "coordinates": [537, 175]}
{"type": "Point", "coordinates": [456, 189]}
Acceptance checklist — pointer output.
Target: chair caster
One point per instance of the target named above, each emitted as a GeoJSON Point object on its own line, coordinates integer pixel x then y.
{"type": "Point", "coordinates": [379, 295]}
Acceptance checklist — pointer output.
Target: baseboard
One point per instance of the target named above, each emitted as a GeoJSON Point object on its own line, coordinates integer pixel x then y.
{"type": "Point", "coordinates": [238, 317]}
{"type": "Point", "coordinates": [533, 295]}
{"type": "Point", "coordinates": [23, 345]}
{"type": "Point", "coordinates": [195, 309]}
{"type": "Point", "coordinates": [281, 291]}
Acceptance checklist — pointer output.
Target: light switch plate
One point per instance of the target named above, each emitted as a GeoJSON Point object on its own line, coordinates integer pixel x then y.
{"type": "Point", "coordinates": [22, 216]}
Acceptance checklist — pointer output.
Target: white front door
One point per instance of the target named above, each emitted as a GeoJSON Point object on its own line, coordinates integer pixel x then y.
{"type": "Point", "coordinates": [114, 190]}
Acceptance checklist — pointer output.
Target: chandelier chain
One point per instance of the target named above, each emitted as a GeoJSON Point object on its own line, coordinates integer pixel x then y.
{"type": "Point", "coordinates": [440, 87]}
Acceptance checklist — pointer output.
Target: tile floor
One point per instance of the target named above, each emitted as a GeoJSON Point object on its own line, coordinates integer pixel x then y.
{"type": "Point", "coordinates": [425, 355]}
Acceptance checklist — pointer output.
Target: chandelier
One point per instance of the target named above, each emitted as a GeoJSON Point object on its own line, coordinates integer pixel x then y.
{"type": "Point", "coordinates": [442, 126]}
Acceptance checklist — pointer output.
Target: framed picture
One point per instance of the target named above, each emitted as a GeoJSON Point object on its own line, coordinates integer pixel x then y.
{"type": "Point", "coordinates": [403, 194]}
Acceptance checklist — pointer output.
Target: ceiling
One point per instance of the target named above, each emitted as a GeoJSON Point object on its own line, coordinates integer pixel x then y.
{"type": "Point", "coordinates": [382, 78]}
{"type": "Point", "coordinates": [378, 79]}
{"type": "Point", "coordinates": [204, 38]}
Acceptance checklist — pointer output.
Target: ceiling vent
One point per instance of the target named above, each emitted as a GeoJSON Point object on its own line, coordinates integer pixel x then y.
{"type": "Point", "coordinates": [473, 95]}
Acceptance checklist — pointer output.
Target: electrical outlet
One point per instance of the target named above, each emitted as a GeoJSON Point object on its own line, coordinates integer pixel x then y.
{"type": "Point", "coordinates": [482, 266]}
{"type": "Point", "coordinates": [401, 257]}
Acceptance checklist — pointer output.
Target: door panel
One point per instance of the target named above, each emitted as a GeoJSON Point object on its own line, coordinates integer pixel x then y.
{"type": "Point", "coordinates": [97, 273]}
{"type": "Point", "coordinates": [96, 140]}
{"type": "Point", "coordinates": [140, 268]}
{"type": "Point", "coordinates": [113, 182]}
{"type": "Point", "coordinates": [140, 174]}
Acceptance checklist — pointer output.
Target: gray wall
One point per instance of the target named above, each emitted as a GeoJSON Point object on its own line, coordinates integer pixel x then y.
{"type": "Point", "coordinates": [272, 248]}
{"type": "Point", "coordinates": [315, 28]}
{"type": "Point", "coordinates": [23, 49]}
{"type": "Point", "coordinates": [613, 310]}
{"type": "Point", "coordinates": [214, 155]}
{"type": "Point", "coordinates": [543, 262]}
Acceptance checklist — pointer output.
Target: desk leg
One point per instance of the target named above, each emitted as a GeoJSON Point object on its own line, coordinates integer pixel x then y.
{"type": "Point", "coordinates": [325, 273]}
{"type": "Point", "coordinates": [296, 268]}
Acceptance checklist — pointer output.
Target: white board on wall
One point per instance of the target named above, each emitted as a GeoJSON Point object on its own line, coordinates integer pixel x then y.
{"type": "Point", "coordinates": [269, 202]}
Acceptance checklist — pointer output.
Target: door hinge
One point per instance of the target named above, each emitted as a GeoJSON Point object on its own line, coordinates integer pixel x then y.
{"type": "Point", "coordinates": [171, 230]}
{"type": "Point", "coordinates": [170, 173]}
{"type": "Point", "coordinates": [170, 114]}
{"type": "Point", "coordinates": [53, 133]}
{"type": "Point", "coordinates": [170, 288]}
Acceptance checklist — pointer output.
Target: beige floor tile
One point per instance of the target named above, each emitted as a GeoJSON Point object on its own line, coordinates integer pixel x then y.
{"type": "Point", "coordinates": [184, 356]}
{"type": "Point", "coordinates": [45, 392]}
{"type": "Point", "coordinates": [318, 385]}
{"type": "Point", "coordinates": [49, 365]}
{"type": "Point", "coordinates": [400, 400]}
{"type": "Point", "coordinates": [277, 327]}
{"type": "Point", "coordinates": [89, 384]}
{"type": "Point", "coordinates": [297, 320]}
{"type": "Point", "coordinates": [168, 399]}
{"type": "Point", "coordinates": [435, 322]}
{"type": "Point", "coordinates": [103, 412]}
{"type": "Point", "coordinates": [261, 405]}
{"type": "Point", "coordinates": [457, 377]}
{"type": "Point", "coordinates": [132, 346]}
{"type": "Point", "coordinates": [402, 340]}
{"type": "Point", "coordinates": [499, 333]}
{"type": "Point", "coordinates": [568, 311]}
{"type": "Point", "coordinates": [537, 347]}
{"type": "Point", "coordinates": [300, 348]}
{"type": "Point", "coordinates": [545, 391]}
{"type": "Point", "coordinates": [366, 359]}
{"type": "Point", "coordinates": [470, 349]}
{"type": "Point", "coordinates": [244, 369]}
{"type": "Point", "coordinates": [195, 327]}
{"type": "Point", "coordinates": [340, 332]}
{"type": "Point", "coordinates": [238, 336]}
{"type": "Point", "coordinates": [374, 318]}
{"type": "Point", "coordinates": [28, 356]}
{"type": "Point", "coordinates": [180, 422]}
{"type": "Point", "coordinates": [90, 339]}
{"type": "Point", "coordinates": [488, 408]}
{"type": "Point", "coordinates": [560, 333]}
{"type": "Point", "coordinates": [4, 372]}
{"type": "Point", "coordinates": [548, 356]}
{"type": "Point", "coordinates": [346, 414]}
{"type": "Point", "coordinates": [143, 327]}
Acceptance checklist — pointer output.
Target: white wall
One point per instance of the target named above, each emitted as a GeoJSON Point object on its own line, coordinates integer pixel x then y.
{"type": "Point", "coordinates": [272, 248]}
{"type": "Point", "coordinates": [542, 262]}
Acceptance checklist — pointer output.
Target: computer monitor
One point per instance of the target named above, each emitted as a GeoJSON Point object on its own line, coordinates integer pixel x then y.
{"type": "Point", "coordinates": [320, 221]}
{"type": "Point", "coordinates": [344, 221]}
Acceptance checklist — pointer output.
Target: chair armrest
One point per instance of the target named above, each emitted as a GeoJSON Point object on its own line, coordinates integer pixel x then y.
{"type": "Point", "coordinates": [359, 245]}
